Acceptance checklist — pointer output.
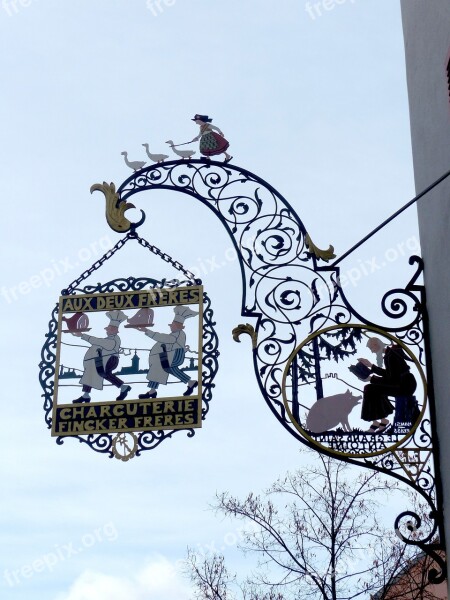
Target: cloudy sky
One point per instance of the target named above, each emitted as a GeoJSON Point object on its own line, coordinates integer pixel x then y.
{"type": "Point", "coordinates": [312, 97]}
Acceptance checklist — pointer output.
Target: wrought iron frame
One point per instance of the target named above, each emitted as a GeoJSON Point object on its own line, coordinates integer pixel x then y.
{"type": "Point", "coordinates": [146, 440]}
{"type": "Point", "coordinates": [293, 296]}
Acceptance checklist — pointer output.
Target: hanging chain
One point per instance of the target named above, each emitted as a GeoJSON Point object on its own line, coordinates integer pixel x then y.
{"type": "Point", "coordinates": [177, 265]}
{"type": "Point", "coordinates": [130, 235]}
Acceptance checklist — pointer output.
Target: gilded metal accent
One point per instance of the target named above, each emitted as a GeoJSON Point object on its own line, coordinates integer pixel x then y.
{"type": "Point", "coordinates": [115, 209]}
{"type": "Point", "coordinates": [147, 440]}
{"type": "Point", "coordinates": [413, 461]}
{"type": "Point", "coordinates": [247, 329]}
{"type": "Point", "coordinates": [125, 446]}
{"type": "Point", "coordinates": [325, 255]}
{"type": "Point", "coordinates": [292, 297]}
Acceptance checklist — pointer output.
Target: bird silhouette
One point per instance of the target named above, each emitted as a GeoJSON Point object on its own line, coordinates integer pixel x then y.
{"type": "Point", "coordinates": [181, 153]}
{"type": "Point", "coordinates": [157, 158]}
{"type": "Point", "coordinates": [135, 165]}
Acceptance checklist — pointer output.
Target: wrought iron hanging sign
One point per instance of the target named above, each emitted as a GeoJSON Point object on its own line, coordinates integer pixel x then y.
{"type": "Point", "coordinates": [355, 389]}
{"type": "Point", "coordinates": [128, 363]}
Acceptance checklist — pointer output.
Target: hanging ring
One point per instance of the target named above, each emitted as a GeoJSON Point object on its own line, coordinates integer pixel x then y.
{"type": "Point", "coordinates": [134, 226]}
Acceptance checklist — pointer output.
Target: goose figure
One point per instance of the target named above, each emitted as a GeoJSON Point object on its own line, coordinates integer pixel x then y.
{"type": "Point", "coordinates": [157, 158]}
{"type": "Point", "coordinates": [181, 153]}
{"type": "Point", "coordinates": [135, 165]}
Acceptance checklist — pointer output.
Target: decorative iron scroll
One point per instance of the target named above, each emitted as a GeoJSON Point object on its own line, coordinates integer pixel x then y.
{"type": "Point", "coordinates": [127, 444]}
{"type": "Point", "coordinates": [307, 332]}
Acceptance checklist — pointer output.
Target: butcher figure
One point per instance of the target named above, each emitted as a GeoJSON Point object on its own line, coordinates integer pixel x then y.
{"type": "Point", "coordinates": [102, 358]}
{"type": "Point", "coordinates": [168, 354]}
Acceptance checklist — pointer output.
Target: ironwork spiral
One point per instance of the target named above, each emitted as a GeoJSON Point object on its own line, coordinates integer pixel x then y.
{"type": "Point", "coordinates": [292, 295]}
{"type": "Point", "coordinates": [283, 286]}
{"type": "Point", "coordinates": [102, 443]}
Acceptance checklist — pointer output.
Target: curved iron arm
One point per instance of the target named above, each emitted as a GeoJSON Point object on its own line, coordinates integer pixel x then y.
{"type": "Point", "coordinates": [292, 296]}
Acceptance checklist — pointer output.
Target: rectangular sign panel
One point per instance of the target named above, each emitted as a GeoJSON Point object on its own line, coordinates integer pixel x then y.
{"type": "Point", "coordinates": [129, 362]}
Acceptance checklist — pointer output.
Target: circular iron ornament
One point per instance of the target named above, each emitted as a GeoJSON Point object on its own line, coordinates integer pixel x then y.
{"type": "Point", "coordinates": [340, 405]}
{"type": "Point", "coordinates": [293, 288]}
{"type": "Point", "coordinates": [124, 445]}
{"type": "Point", "coordinates": [286, 285]}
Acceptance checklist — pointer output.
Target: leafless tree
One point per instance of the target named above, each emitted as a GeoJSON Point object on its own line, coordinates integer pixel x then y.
{"type": "Point", "coordinates": [316, 535]}
{"type": "Point", "coordinates": [211, 578]}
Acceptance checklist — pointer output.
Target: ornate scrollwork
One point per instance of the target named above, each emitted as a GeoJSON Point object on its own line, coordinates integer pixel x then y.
{"type": "Point", "coordinates": [292, 297]}
{"type": "Point", "coordinates": [408, 527]}
{"type": "Point", "coordinates": [395, 304]}
{"type": "Point", "coordinates": [47, 366]}
{"type": "Point", "coordinates": [107, 443]}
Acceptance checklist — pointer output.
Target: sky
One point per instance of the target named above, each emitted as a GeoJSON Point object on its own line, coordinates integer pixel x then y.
{"type": "Point", "coordinates": [312, 97]}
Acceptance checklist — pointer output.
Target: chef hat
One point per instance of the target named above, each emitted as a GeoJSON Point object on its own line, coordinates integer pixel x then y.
{"type": "Point", "coordinates": [182, 313]}
{"type": "Point", "coordinates": [116, 317]}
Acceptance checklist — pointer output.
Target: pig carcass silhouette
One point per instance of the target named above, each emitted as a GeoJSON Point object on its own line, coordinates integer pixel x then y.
{"type": "Point", "coordinates": [328, 412]}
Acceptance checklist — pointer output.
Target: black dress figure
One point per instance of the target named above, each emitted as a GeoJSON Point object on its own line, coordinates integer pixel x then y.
{"type": "Point", "coordinates": [394, 380]}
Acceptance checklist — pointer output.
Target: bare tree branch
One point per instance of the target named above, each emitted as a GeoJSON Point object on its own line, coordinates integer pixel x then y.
{"type": "Point", "coordinates": [316, 537]}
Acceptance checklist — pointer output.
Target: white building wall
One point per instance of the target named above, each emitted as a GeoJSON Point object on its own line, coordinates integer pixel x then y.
{"type": "Point", "coordinates": [426, 26]}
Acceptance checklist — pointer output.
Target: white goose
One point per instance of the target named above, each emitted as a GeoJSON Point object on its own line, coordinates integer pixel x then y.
{"type": "Point", "coordinates": [181, 153]}
{"type": "Point", "coordinates": [157, 158]}
{"type": "Point", "coordinates": [135, 165]}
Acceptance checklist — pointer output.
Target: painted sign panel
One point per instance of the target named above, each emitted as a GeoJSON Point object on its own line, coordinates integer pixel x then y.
{"type": "Point", "coordinates": [128, 362]}
{"type": "Point", "coordinates": [354, 390]}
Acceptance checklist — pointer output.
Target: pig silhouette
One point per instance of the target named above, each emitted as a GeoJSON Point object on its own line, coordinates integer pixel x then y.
{"type": "Point", "coordinates": [328, 412]}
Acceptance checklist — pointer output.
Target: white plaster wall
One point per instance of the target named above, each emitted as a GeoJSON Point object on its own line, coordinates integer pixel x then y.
{"type": "Point", "coordinates": [426, 26]}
